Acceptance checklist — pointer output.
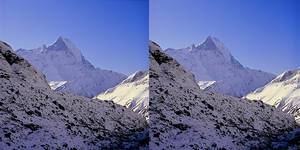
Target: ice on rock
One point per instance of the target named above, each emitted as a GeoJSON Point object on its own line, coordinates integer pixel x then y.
{"type": "Point", "coordinates": [56, 84]}
{"type": "Point", "coordinates": [204, 85]}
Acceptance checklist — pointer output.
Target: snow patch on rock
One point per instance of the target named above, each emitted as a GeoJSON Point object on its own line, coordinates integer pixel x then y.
{"type": "Point", "coordinates": [56, 84]}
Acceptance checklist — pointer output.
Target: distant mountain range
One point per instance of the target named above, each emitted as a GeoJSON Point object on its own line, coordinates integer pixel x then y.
{"type": "Point", "coordinates": [67, 70]}
{"type": "Point", "coordinates": [212, 61]}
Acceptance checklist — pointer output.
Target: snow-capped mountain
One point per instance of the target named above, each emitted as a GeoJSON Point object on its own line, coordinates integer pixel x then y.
{"type": "Point", "coordinates": [282, 92]}
{"type": "Point", "coordinates": [212, 61]}
{"type": "Point", "coordinates": [63, 61]}
{"type": "Point", "coordinates": [32, 116]}
{"type": "Point", "coordinates": [184, 117]}
{"type": "Point", "coordinates": [133, 93]}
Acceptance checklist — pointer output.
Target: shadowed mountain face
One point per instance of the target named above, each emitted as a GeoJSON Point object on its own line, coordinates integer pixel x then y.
{"type": "Point", "coordinates": [32, 116]}
{"type": "Point", "coordinates": [212, 61]}
{"type": "Point", "coordinates": [62, 62]}
{"type": "Point", "coordinates": [184, 117]}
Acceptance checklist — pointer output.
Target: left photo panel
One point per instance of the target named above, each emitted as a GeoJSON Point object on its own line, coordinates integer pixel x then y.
{"type": "Point", "coordinates": [74, 74]}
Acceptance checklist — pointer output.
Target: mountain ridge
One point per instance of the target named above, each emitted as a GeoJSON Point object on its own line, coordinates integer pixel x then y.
{"type": "Point", "coordinates": [133, 93]}
{"type": "Point", "coordinates": [283, 92]}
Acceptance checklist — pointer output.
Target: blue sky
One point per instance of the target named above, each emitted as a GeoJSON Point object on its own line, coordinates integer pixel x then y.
{"type": "Point", "coordinates": [261, 34]}
{"type": "Point", "coordinates": [112, 34]}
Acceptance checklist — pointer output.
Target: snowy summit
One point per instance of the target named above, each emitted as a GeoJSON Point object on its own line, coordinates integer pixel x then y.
{"type": "Point", "coordinates": [63, 62]}
{"type": "Point", "coordinates": [212, 61]}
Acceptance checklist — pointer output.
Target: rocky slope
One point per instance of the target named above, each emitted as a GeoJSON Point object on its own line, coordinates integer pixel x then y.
{"type": "Point", "coordinates": [32, 116]}
{"type": "Point", "coordinates": [282, 92]}
{"type": "Point", "coordinates": [133, 93]}
{"type": "Point", "coordinates": [184, 117]}
{"type": "Point", "coordinates": [212, 61]}
{"type": "Point", "coordinates": [63, 61]}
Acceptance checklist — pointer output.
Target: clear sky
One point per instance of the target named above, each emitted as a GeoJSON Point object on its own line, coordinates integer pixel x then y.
{"type": "Point", "coordinates": [261, 34]}
{"type": "Point", "coordinates": [112, 34]}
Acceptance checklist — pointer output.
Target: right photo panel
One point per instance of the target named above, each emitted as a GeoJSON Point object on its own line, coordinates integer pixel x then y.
{"type": "Point", "coordinates": [224, 75]}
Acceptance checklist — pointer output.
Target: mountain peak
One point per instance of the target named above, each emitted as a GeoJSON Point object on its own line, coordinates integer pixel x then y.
{"type": "Point", "coordinates": [64, 44]}
{"type": "Point", "coordinates": [209, 37]}
{"type": "Point", "coordinates": [214, 44]}
{"type": "Point", "coordinates": [211, 43]}
{"type": "Point", "coordinates": [60, 38]}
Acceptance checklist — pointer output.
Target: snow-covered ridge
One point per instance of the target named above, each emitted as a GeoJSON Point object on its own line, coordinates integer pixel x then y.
{"type": "Point", "coordinates": [282, 92]}
{"type": "Point", "coordinates": [212, 61]}
{"type": "Point", "coordinates": [184, 117]}
{"type": "Point", "coordinates": [138, 75]}
{"type": "Point", "coordinates": [63, 61]}
{"type": "Point", "coordinates": [133, 93]}
{"type": "Point", "coordinates": [32, 116]}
